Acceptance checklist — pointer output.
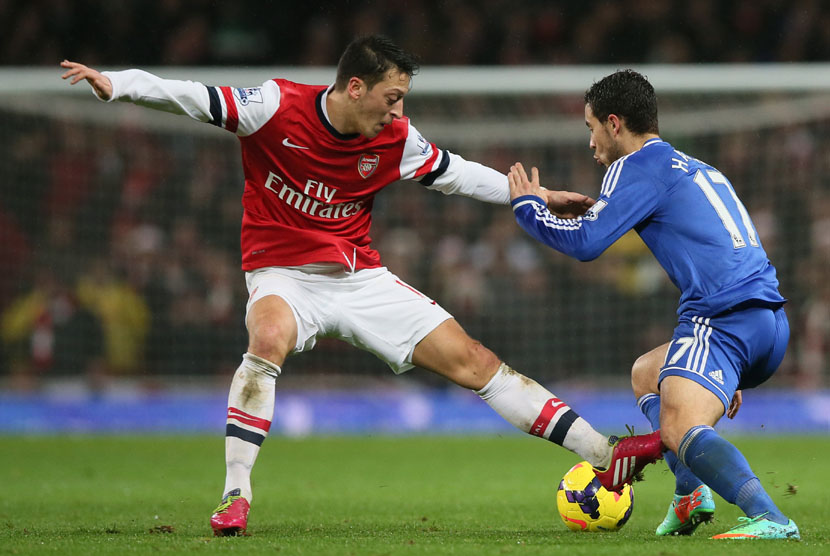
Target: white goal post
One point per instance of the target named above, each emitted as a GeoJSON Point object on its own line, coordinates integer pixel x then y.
{"type": "Point", "coordinates": [485, 80]}
{"type": "Point", "coordinates": [782, 94]}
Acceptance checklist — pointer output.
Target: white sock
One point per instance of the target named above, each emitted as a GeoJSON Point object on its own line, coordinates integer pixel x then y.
{"type": "Point", "coordinates": [528, 406]}
{"type": "Point", "coordinates": [250, 410]}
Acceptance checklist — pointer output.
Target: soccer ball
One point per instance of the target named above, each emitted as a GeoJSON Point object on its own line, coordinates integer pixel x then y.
{"type": "Point", "coordinates": [585, 505]}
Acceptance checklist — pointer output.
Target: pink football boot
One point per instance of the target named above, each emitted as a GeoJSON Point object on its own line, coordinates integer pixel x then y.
{"type": "Point", "coordinates": [231, 517]}
{"type": "Point", "coordinates": [631, 454]}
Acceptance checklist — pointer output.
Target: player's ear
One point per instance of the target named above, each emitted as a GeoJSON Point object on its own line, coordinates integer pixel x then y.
{"type": "Point", "coordinates": [356, 87]}
{"type": "Point", "coordinates": [616, 123]}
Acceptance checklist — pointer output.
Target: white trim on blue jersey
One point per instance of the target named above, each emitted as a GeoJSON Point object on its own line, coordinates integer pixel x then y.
{"type": "Point", "coordinates": [698, 354]}
{"type": "Point", "coordinates": [658, 192]}
{"type": "Point", "coordinates": [612, 175]}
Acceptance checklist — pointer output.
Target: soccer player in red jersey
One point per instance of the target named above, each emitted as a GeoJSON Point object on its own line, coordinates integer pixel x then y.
{"type": "Point", "coordinates": [314, 157]}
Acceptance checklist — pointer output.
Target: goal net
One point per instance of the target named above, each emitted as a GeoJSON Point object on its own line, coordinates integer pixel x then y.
{"type": "Point", "coordinates": [120, 225]}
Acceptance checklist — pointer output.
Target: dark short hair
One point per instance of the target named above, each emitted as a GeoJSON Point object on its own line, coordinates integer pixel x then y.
{"type": "Point", "coordinates": [370, 58]}
{"type": "Point", "coordinates": [627, 94]}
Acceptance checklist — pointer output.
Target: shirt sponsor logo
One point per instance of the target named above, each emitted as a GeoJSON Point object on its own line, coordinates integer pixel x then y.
{"type": "Point", "coordinates": [248, 95]}
{"type": "Point", "coordinates": [315, 199]}
{"type": "Point", "coordinates": [367, 164]}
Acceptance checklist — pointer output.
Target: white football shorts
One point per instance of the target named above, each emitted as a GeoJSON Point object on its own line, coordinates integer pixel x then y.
{"type": "Point", "coordinates": [372, 309]}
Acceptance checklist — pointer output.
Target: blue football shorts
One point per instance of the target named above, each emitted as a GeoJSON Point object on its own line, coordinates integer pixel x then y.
{"type": "Point", "coordinates": [728, 352]}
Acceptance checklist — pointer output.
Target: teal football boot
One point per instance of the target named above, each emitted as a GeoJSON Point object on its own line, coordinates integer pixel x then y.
{"type": "Point", "coordinates": [687, 512]}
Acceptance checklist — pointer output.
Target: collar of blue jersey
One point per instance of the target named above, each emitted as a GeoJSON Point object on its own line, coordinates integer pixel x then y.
{"type": "Point", "coordinates": [651, 142]}
{"type": "Point", "coordinates": [323, 114]}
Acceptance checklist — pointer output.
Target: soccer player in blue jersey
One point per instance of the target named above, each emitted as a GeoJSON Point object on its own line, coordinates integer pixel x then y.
{"type": "Point", "coordinates": [732, 330]}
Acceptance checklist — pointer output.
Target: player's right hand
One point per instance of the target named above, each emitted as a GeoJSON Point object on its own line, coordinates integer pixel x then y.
{"type": "Point", "coordinates": [100, 83]}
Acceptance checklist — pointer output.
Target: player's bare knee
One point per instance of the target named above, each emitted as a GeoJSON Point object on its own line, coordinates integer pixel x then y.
{"type": "Point", "coordinates": [643, 376]}
{"type": "Point", "coordinates": [674, 425]}
{"type": "Point", "coordinates": [477, 367]}
{"type": "Point", "coordinates": [486, 362]}
{"type": "Point", "coordinates": [671, 435]}
{"type": "Point", "coordinates": [270, 341]}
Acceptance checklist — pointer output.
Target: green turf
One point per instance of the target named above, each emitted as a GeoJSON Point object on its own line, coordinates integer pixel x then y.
{"type": "Point", "coordinates": [362, 496]}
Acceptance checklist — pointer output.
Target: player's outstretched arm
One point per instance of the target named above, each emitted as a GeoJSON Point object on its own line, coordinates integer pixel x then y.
{"type": "Point", "coordinates": [99, 82]}
{"type": "Point", "coordinates": [238, 110]}
{"type": "Point", "coordinates": [563, 204]}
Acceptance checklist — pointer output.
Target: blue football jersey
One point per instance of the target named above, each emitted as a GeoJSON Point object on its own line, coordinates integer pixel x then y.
{"type": "Point", "coordinates": [685, 211]}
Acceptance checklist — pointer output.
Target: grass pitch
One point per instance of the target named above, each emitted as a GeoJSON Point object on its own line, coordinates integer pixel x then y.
{"type": "Point", "coordinates": [363, 496]}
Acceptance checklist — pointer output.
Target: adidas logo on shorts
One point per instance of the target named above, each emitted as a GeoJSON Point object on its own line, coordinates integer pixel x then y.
{"type": "Point", "coordinates": [717, 376]}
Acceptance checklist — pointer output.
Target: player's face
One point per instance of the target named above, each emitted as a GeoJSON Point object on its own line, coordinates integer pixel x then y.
{"type": "Point", "coordinates": [606, 148]}
{"type": "Point", "coordinates": [382, 104]}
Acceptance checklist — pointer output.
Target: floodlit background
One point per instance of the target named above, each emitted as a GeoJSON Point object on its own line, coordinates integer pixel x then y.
{"type": "Point", "coordinates": [121, 297]}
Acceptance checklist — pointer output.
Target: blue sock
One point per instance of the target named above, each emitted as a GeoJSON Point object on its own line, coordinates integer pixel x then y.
{"type": "Point", "coordinates": [685, 480]}
{"type": "Point", "coordinates": [722, 466]}
{"type": "Point", "coordinates": [754, 501]}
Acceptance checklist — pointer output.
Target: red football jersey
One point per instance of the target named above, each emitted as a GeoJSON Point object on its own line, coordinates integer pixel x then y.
{"type": "Point", "coordinates": [309, 189]}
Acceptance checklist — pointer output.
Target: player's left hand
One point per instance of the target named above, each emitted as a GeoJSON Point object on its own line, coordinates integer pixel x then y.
{"type": "Point", "coordinates": [737, 400]}
{"type": "Point", "coordinates": [563, 204]}
{"type": "Point", "coordinates": [100, 83]}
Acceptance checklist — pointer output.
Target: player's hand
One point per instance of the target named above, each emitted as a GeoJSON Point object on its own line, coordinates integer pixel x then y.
{"type": "Point", "coordinates": [520, 184]}
{"type": "Point", "coordinates": [737, 400]}
{"type": "Point", "coordinates": [567, 204]}
{"type": "Point", "coordinates": [563, 204]}
{"type": "Point", "coordinates": [100, 83]}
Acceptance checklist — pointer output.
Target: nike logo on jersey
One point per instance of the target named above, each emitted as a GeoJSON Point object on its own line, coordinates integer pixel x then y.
{"type": "Point", "coordinates": [717, 376]}
{"type": "Point", "coordinates": [288, 143]}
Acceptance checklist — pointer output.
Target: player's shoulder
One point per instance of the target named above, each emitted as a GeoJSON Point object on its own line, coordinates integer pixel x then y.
{"type": "Point", "coordinates": [658, 151]}
{"type": "Point", "coordinates": [653, 151]}
{"type": "Point", "coordinates": [287, 83]}
{"type": "Point", "coordinates": [660, 158]}
{"type": "Point", "coordinates": [292, 88]}
{"type": "Point", "coordinates": [402, 127]}
{"type": "Point", "coordinates": [643, 165]}
{"type": "Point", "coordinates": [396, 132]}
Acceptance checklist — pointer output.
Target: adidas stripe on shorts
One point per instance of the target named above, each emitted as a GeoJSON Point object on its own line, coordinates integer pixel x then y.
{"type": "Point", "coordinates": [728, 352]}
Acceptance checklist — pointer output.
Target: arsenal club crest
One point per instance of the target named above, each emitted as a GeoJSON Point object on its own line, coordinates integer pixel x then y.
{"type": "Point", "coordinates": [367, 164]}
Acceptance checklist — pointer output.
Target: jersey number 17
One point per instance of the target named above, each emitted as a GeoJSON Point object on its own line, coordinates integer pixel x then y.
{"type": "Point", "coordinates": [707, 181]}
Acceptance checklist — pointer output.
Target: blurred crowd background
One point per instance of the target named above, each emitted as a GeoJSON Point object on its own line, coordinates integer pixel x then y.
{"type": "Point", "coordinates": [120, 242]}
{"type": "Point", "coordinates": [454, 32]}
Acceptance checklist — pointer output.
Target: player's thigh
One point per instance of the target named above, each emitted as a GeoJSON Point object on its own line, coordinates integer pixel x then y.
{"type": "Point", "coordinates": [702, 350]}
{"type": "Point", "coordinates": [283, 312]}
{"type": "Point", "coordinates": [272, 328]}
{"type": "Point", "coordinates": [378, 312]}
{"type": "Point", "coordinates": [685, 403]}
{"type": "Point", "coordinates": [699, 376]}
{"type": "Point", "coordinates": [450, 352]}
{"type": "Point", "coordinates": [646, 371]}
